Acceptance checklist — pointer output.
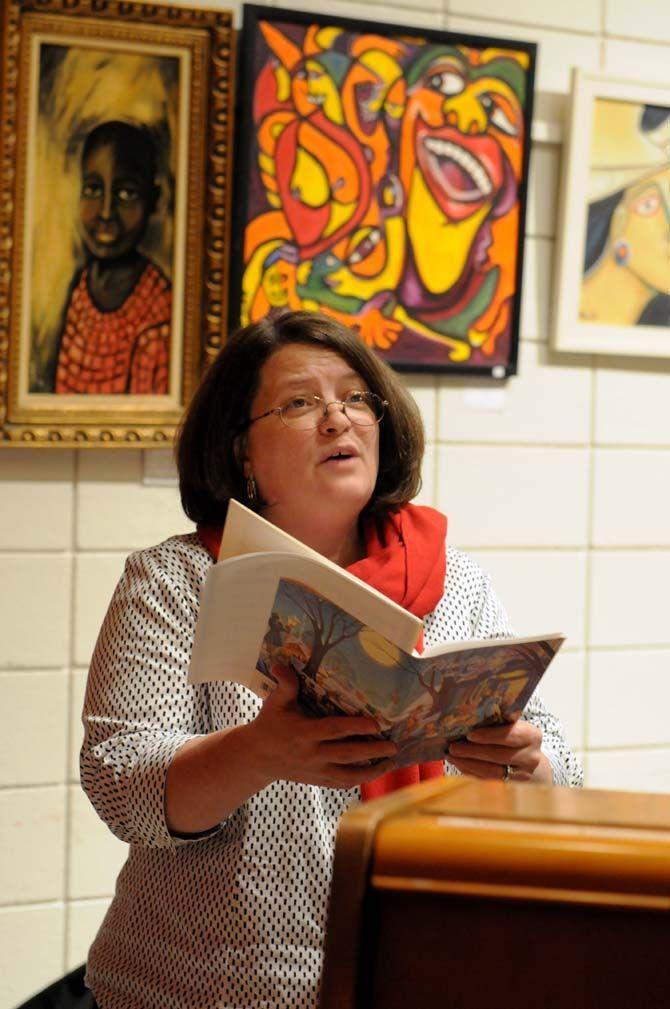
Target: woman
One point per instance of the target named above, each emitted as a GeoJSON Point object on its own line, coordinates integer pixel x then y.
{"type": "Point", "coordinates": [231, 807]}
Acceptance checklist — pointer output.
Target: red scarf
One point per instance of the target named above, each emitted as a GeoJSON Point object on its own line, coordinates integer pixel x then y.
{"type": "Point", "coordinates": [406, 561]}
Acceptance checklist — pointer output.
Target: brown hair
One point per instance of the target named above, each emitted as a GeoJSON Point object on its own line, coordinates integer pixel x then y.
{"type": "Point", "coordinates": [207, 449]}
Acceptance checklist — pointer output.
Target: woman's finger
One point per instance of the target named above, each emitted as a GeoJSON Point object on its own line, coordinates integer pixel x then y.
{"type": "Point", "coordinates": [350, 776]}
{"type": "Point", "coordinates": [356, 752]}
{"type": "Point", "coordinates": [341, 726]}
{"type": "Point", "coordinates": [526, 758]}
{"type": "Point", "coordinates": [517, 734]}
{"type": "Point", "coordinates": [286, 690]}
{"type": "Point", "coordinates": [488, 770]}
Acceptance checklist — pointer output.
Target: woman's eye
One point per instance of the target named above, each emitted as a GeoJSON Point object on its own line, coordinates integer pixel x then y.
{"type": "Point", "coordinates": [356, 398]}
{"type": "Point", "coordinates": [299, 403]}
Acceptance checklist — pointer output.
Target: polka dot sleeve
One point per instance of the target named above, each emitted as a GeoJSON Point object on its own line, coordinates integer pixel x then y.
{"type": "Point", "coordinates": [138, 709]}
{"type": "Point", "coordinates": [468, 589]}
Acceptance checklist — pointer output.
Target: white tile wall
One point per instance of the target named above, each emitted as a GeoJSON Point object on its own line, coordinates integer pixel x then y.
{"type": "Point", "coordinates": [95, 855]}
{"type": "Point", "coordinates": [76, 729]}
{"type": "Point", "coordinates": [542, 590]}
{"type": "Point", "coordinates": [32, 942]}
{"type": "Point", "coordinates": [36, 501]}
{"type": "Point", "coordinates": [623, 18]}
{"type": "Point", "coordinates": [547, 403]}
{"type": "Point", "coordinates": [96, 576]}
{"type": "Point", "coordinates": [623, 686]}
{"type": "Point", "coordinates": [628, 598]}
{"type": "Point", "coordinates": [110, 485]}
{"type": "Point", "coordinates": [84, 919]}
{"type": "Point", "coordinates": [634, 770]}
{"type": "Point", "coordinates": [562, 690]}
{"type": "Point", "coordinates": [631, 497]}
{"type": "Point", "coordinates": [636, 61]}
{"type": "Point", "coordinates": [631, 403]}
{"type": "Point", "coordinates": [32, 840]}
{"type": "Point", "coordinates": [558, 481]}
{"type": "Point", "coordinates": [576, 16]}
{"type": "Point", "coordinates": [425, 14]}
{"type": "Point", "coordinates": [525, 497]}
{"type": "Point", "coordinates": [33, 727]}
{"type": "Point", "coordinates": [36, 611]}
{"type": "Point", "coordinates": [553, 68]}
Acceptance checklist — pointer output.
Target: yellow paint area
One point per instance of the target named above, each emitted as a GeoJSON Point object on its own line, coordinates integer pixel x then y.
{"type": "Point", "coordinates": [431, 233]}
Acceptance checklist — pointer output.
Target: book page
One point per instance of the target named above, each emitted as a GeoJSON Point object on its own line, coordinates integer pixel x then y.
{"type": "Point", "coordinates": [246, 532]}
{"type": "Point", "coordinates": [459, 646]}
{"type": "Point", "coordinates": [236, 603]}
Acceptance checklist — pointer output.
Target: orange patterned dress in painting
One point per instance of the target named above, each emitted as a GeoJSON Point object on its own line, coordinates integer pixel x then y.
{"type": "Point", "coordinates": [120, 351]}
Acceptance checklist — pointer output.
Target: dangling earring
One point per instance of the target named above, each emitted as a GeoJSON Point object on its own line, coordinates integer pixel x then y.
{"type": "Point", "coordinates": [621, 253]}
{"type": "Point", "coordinates": [252, 491]}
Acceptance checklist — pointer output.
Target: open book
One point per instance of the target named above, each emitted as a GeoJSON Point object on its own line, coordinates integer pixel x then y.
{"type": "Point", "coordinates": [272, 602]}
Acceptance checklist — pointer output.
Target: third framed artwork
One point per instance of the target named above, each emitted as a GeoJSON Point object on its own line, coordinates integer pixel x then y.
{"type": "Point", "coordinates": [612, 288]}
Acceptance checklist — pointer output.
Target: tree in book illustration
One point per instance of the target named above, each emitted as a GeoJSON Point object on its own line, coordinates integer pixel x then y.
{"type": "Point", "coordinates": [530, 658]}
{"type": "Point", "coordinates": [329, 624]}
{"type": "Point", "coordinates": [441, 693]}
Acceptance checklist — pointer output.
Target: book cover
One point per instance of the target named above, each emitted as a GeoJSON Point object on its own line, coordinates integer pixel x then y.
{"type": "Point", "coordinates": [421, 702]}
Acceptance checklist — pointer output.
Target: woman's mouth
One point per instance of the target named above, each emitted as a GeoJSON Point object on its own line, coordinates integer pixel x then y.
{"type": "Point", "coordinates": [339, 456]}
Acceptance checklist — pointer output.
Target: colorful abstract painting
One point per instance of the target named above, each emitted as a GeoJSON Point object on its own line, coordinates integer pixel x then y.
{"type": "Point", "coordinates": [381, 179]}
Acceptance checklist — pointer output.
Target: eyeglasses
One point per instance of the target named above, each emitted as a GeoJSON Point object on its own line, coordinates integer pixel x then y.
{"type": "Point", "coordinates": [303, 413]}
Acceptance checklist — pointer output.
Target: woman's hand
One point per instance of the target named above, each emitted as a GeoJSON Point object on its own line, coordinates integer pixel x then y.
{"type": "Point", "coordinates": [487, 752]}
{"type": "Point", "coordinates": [333, 752]}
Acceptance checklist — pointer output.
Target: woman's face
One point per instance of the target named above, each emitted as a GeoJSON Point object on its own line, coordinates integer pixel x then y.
{"type": "Point", "coordinates": [114, 203]}
{"type": "Point", "coordinates": [647, 230]}
{"type": "Point", "coordinates": [299, 473]}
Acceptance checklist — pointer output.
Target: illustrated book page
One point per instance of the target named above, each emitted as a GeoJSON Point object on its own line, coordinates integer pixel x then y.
{"type": "Point", "coordinates": [420, 702]}
{"type": "Point", "coordinates": [240, 588]}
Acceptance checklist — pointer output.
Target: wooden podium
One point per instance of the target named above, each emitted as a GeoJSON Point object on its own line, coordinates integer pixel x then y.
{"type": "Point", "coordinates": [466, 894]}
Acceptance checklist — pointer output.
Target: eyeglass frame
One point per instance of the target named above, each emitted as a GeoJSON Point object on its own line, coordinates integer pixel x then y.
{"type": "Point", "coordinates": [340, 402]}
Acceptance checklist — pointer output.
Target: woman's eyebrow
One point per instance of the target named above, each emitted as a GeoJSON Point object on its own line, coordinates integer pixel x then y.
{"type": "Point", "coordinates": [302, 380]}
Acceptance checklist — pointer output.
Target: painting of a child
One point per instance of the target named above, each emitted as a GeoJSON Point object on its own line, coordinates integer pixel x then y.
{"type": "Point", "coordinates": [116, 330]}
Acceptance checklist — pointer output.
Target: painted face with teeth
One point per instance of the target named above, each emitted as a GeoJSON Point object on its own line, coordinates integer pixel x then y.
{"type": "Point", "coordinates": [460, 149]}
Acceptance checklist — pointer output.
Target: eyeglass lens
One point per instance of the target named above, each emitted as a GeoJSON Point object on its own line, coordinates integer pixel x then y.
{"type": "Point", "coordinates": [364, 408]}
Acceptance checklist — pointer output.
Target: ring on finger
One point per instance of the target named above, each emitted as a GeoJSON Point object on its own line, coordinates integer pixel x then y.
{"type": "Point", "coordinates": [508, 772]}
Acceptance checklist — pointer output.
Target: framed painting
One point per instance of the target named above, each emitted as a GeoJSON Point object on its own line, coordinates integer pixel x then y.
{"type": "Point", "coordinates": [612, 290]}
{"type": "Point", "coordinates": [381, 179]}
{"type": "Point", "coordinates": [115, 144]}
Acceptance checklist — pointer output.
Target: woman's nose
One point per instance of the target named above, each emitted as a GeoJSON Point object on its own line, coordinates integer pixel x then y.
{"type": "Point", "coordinates": [334, 417]}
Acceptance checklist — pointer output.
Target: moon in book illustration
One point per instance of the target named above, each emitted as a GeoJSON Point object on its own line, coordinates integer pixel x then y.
{"type": "Point", "coordinates": [378, 648]}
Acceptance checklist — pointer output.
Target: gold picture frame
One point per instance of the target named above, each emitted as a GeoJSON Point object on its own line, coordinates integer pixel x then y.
{"type": "Point", "coordinates": [115, 154]}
